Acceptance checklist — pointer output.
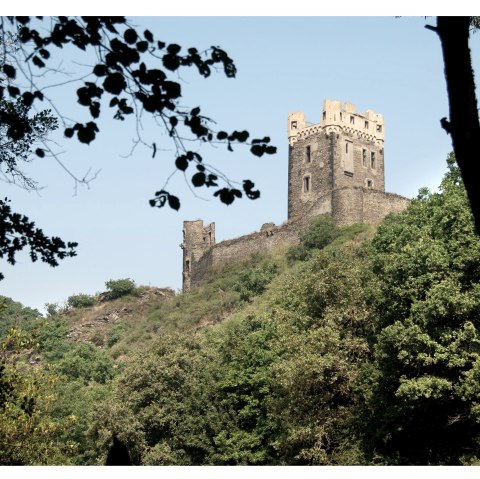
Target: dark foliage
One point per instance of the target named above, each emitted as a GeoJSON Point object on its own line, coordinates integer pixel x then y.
{"type": "Point", "coordinates": [118, 454]}
{"type": "Point", "coordinates": [18, 232]}
{"type": "Point", "coordinates": [123, 80]}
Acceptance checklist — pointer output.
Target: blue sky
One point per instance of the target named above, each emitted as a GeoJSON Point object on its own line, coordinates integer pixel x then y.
{"type": "Point", "coordinates": [390, 65]}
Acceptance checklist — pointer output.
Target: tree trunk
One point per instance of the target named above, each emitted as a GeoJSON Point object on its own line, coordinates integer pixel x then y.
{"type": "Point", "coordinates": [463, 127]}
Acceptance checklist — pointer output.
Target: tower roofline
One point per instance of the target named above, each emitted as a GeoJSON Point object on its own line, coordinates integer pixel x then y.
{"type": "Point", "coordinates": [336, 115]}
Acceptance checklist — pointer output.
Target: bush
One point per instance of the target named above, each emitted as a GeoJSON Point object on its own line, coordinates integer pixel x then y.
{"type": "Point", "coordinates": [115, 334]}
{"type": "Point", "coordinates": [252, 282]}
{"type": "Point", "coordinates": [84, 361]}
{"type": "Point", "coordinates": [81, 301]}
{"type": "Point", "coordinates": [120, 287]}
{"type": "Point", "coordinates": [52, 308]}
{"type": "Point", "coordinates": [298, 253]}
{"type": "Point", "coordinates": [321, 232]}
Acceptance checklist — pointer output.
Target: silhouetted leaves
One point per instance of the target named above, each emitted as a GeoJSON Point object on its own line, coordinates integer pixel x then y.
{"type": "Point", "coordinates": [18, 232]}
{"type": "Point", "coordinates": [173, 49]}
{"type": "Point", "coordinates": [163, 197]}
{"type": "Point", "coordinates": [27, 98]}
{"type": "Point", "coordinates": [100, 70]}
{"type": "Point", "coordinates": [248, 186]}
{"type": "Point", "coordinates": [115, 83]}
{"type": "Point", "coordinates": [181, 163]}
{"type": "Point", "coordinates": [172, 89]}
{"type": "Point", "coordinates": [148, 36]}
{"type": "Point", "coordinates": [261, 147]}
{"type": "Point", "coordinates": [198, 179]}
{"type": "Point", "coordinates": [38, 62]}
{"type": "Point", "coordinates": [211, 180]}
{"type": "Point", "coordinates": [173, 202]}
{"type": "Point", "coordinates": [13, 91]}
{"type": "Point", "coordinates": [171, 62]}
{"type": "Point", "coordinates": [40, 152]}
{"type": "Point", "coordinates": [86, 133]}
{"type": "Point", "coordinates": [9, 71]}
{"type": "Point", "coordinates": [228, 195]}
{"type": "Point", "coordinates": [142, 46]}
{"type": "Point", "coordinates": [130, 36]}
{"type": "Point", "coordinates": [240, 136]}
{"type": "Point", "coordinates": [124, 55]}
{"type": "Point", "coordinates": [69, 132]}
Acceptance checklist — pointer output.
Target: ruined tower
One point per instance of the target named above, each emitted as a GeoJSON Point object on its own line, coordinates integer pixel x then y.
{"type": "Point", "coordinates": [197, 240]}
{"type": "Point", "coordinates": [343, 150]}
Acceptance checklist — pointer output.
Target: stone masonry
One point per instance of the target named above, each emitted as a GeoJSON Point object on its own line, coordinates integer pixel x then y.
{"type": "Point", "coordinates": [335, 167]}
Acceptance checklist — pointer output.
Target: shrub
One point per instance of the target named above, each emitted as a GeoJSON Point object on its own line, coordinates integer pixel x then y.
{"type": "Point", "coordinates": [84, 361]}
{"type": "Point", "coordinates": [81, 301]}
{"type": "Point", "coordinates": [322, 231]}
{"type": "Point", "coordinates": [52, 308]}
{"type": "Point", "coordinates": [120, 287]}
{"type": "Point", "coordinates": [115, 333]}
{"type": "Point", "coordinates": [98, 339]}
{"type": "Point", "coordinates": [252, 282]}
{"type": "Point", "coordinates": [298, 253]}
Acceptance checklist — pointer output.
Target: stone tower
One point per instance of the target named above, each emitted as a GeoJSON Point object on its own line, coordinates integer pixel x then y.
{"type": "Point", "coordinates": [344, 150]}
{"type": "Point", "coordinates": [197, 240]}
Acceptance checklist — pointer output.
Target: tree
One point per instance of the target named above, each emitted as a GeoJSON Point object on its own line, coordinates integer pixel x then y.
{"type": "Point", "coordinates": [423, 387]}
{"type": "Point", "coordinates": [123, 79]}
{"type": "Point", "coordinates": [28, 436]}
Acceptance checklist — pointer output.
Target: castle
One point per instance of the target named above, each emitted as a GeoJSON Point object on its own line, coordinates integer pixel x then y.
{"type": "Point", "coordinates": [335, 167]}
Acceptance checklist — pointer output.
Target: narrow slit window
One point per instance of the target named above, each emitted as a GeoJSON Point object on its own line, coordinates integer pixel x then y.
{"type": "Point", "coordinates": [308, 154]}
{"type": "Point", "coordinates": [364, 157]}
{"type": "Point", "coordinates": [366, 125]}
{"type": "Point", "coordinates": [346, 146]}
{"type": "Point", "coordinates": [372, 160]}
{"type": "Point", "coordinates": [306, 184]}
{"type": "Point", "coordinates": [187, 264]}
{"type": "Point", "coordinates": [352, 120]}
{"type": "Point", "coordinates": [379, 128]}
{"type": "Point", "coordinates": [369, 184]}
{"type": "Point", "coordinates": [324, 115]}
{"type": "Point", "coordinates": [293, 125]}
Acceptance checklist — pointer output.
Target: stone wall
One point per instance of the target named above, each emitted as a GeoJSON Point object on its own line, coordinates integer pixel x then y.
{"type": "Point", "coordinates": [363, 205]}
{"type": "Point", "coordinates": [267, 240]}
{"type": "Point", "coordinates": [347, 205]}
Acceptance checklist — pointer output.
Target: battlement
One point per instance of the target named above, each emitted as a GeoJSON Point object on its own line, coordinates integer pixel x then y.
{"type": "Point", "coordinates": [338, 117]}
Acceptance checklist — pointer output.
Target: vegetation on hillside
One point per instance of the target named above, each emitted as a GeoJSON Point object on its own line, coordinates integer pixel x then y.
{"type": "Point", "coordinates": [359, 346]}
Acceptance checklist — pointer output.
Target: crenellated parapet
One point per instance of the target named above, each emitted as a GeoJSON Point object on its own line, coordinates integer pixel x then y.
{"type": "Point", "coordinates": [337, 117]}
